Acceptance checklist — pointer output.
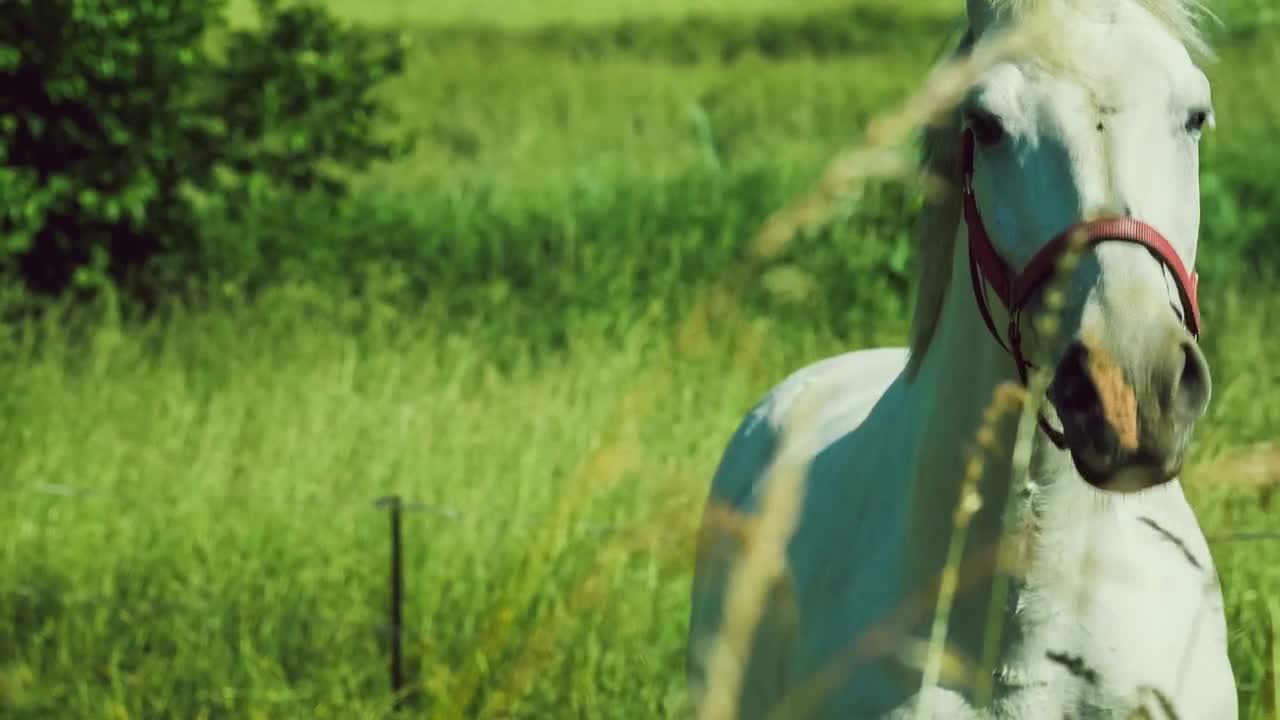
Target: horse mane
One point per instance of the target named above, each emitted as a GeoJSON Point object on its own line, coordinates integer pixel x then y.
{"type": "Point", "coordinates": [940, 164]}
{"type": "Point", "coordinates": [1180, 17]}
{"type": "Point", "coordinates": [936, 227]}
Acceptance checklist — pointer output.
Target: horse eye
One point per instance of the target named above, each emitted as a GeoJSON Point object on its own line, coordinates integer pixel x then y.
{"type": "Point", "coordinates": [986, 127]}
{"type": "Point", "coordinates": [1197, 120]}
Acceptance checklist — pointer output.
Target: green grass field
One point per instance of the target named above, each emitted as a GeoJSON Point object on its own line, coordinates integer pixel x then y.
{"type": "Point", "coordinates": [523, 15]}
{"type": "Point", "coordinates": [188, 510]}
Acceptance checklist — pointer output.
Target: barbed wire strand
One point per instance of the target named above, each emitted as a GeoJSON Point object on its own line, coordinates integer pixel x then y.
{"type": "Point", "coordinates": [379, 504]}
{"type": "Point", "coordinates": [453, 514]}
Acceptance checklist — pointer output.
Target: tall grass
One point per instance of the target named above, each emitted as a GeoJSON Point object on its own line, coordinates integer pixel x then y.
{"type": "Point", "coordinates": [507, 15]}
{"type": "Point", "coordinates": [188, 500]}
{"type": "Point", "coordinates": [220, 553]}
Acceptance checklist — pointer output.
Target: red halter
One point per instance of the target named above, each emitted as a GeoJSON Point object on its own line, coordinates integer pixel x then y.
{"type": "Point", "coordinates": [1014, 291]}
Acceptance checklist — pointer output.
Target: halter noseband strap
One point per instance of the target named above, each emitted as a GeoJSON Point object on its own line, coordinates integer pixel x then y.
{"type": "Point", "coordinates": [988, 270]}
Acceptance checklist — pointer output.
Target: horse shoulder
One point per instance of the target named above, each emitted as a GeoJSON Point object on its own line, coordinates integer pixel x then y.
{"type": "Point", "coordinates": [822, 402]}
{"type": "Point", "coordinates": [816, 405]}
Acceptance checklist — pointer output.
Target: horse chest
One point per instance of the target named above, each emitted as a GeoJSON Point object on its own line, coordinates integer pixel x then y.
{"type": "Point", "coordinates": [1121, 599]}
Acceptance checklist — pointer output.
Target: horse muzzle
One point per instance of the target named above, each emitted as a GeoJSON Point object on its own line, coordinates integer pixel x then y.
{"type": "Point", "coordinates": [1127, 424]}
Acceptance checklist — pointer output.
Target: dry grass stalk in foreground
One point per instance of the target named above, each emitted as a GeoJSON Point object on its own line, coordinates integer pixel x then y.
{"type": "Point", "coordinates": [1006, 400]}
{"type": "Point", "coordinates": [605, 465]}
{"type": "Point", "coordinates": [759, 566]}
{"type": "Point", "coordinates": [892, 637]}
{"type": "Point", "coordinates": [591, 592]}
{"type": "Point", "coordinates": [1020, 485]}
{"type": "Point", "coordinates": [1255, 468]}
{"type": "Point", "coordinates": [880, 155]}
{"type": "Point", "coordinates": [762, 565]}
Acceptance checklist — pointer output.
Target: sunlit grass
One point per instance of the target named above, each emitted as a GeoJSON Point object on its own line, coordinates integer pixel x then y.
{"type": "Point", "coordinates": [224, 552]}
{"type": "Point", "coordinates": [188, 504]}
{"type": "Point", "coordinates": [220, 551]}
{"type": "Point", "coordinates": [523, 14]}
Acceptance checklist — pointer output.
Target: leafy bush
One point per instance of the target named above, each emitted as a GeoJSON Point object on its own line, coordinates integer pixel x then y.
{"type": "Point", "coordinates": [121, 118]}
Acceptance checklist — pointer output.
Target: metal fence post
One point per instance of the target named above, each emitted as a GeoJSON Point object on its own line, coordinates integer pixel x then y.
{"type": "Point", "coordinates": [395, 507]}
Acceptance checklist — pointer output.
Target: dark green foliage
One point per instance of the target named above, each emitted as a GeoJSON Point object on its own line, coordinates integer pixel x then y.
{"type": "Point", "coordinates": [117, 119]}
{"type": "Point", "coordinates": [91, 117]}
{"type": "Point", "coordinates": [1239, 213]}
{"type": "Point", "coordinates": [537, 263]}
{"type": "Point", "coordinates": [293, 98]}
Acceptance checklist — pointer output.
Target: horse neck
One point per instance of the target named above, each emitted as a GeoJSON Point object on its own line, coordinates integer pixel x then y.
{"type": "Point", "coordinates": [958, 377]}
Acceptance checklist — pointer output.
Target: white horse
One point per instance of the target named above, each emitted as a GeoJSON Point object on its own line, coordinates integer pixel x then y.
{"type": "Point", "coordinates": [1120, 599]}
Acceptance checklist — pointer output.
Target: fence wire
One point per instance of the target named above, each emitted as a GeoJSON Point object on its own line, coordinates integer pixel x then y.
{"type": "Point", "coordinates": [393, 631]}
{"type": "Point", "coordinates": [457, 515]}
{"type": "Point", "coordinates": [379, 504]}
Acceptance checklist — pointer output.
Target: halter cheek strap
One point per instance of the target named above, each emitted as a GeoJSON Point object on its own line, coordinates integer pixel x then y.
{"type": "Point", "coordinates": [988, 270]}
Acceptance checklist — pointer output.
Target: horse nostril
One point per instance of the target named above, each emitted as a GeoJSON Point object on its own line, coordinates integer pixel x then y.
{"type": "Point", "coordinates": [1073, 388]}
{"type": "Point", "coordinates": [1192, 391]}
